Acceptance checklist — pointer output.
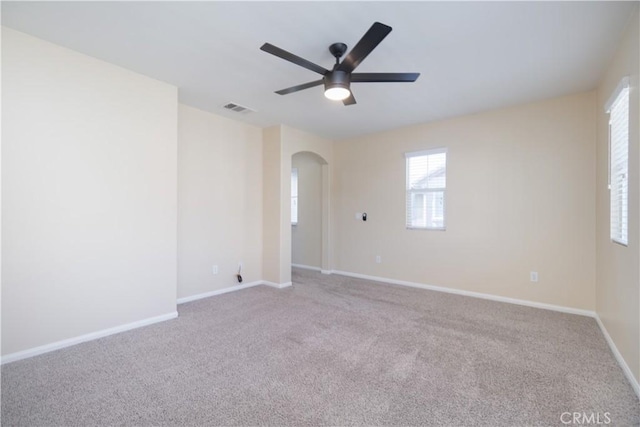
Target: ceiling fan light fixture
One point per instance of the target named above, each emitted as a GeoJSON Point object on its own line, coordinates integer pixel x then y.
{"type": "Point", "coordinates": [337, 93]}
{"type": "Point", "coordinates": [336, 86]}
{"type": "Point", "coordinates": [337, 81]}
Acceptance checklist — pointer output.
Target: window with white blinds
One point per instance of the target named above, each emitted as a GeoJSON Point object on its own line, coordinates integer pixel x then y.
{"type": "Point", "coordinates": [294, 196]}
{"type": "Point", "coordinates": [426, 186]}
{"type": "Point", "coordinates": [618, 109]}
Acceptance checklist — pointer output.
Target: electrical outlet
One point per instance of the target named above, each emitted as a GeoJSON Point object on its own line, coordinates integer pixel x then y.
{"type": "Point", "coordinates": [533, 276]}
{"type": "Point", "coordinates": [214, 269]}
{"type": "Point", "coordinates": [378, 259]}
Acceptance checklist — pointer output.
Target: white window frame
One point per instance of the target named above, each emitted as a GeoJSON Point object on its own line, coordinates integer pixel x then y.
{"type": "Point", "coordinates": [618, 109]}
{"type": "Point", "coordinates": [409, 192]}
{"type": "Point", "coordinates": [294, 196]}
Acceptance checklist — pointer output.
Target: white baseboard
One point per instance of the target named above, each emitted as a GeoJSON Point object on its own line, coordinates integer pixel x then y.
{"type": "Point", "coordinates": [306, 267]}
{"type": "Point", "coordinates": [84, 338]}
{"type": "Point", "coordinates": [129, 326]}
{"type": "Point", "coordinates": [312, 268]}
{"type": "Point", "coordinates": [277, 285]}
{"type": "Point", "coordinates": [106, 332]}
{"type": "Point", "coordinates": [623, 364]}
{"type": "Point", "coordinates": [219, 292]}
{"type": "Point", "coordinates": [534, 304]}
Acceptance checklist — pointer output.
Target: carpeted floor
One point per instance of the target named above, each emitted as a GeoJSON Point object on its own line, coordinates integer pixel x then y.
{"type": "Point", "coordinates": [330, 350]}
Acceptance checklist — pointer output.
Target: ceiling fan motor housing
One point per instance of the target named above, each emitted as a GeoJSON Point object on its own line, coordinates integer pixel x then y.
{"type": "Point", "coordinates": [337, 78]}
{"type": "Point", "coordinates": [337, 82]}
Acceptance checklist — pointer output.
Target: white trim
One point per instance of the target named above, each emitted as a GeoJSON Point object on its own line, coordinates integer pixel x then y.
{"type": "Point", "coordinates": [277, 285]}
{"type": "Point", "coordinates": [24, 354]}
{"type": "Point", "coordinates": [623, 364]}
{"type": "Point", "coordinates": [13, 357]}
{"type": "Point", "coordinates": [426, 228]}
{"type": "Point", "coordinates": [306, 267]}
{"type": "Point", "coordinates": [534, 304]}
{"type": "Point", "coordinates": [129, 326]}
{"type": "Point", "coordinates": [622, 85]}
{"type": "Point", "coordinates": [233, 289]}
{"type": "Point", "coordinates": [218, 292]}
{"type": "Point", "coordinates": [425, 152]}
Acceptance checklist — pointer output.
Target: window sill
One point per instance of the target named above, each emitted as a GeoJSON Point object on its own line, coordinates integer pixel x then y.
{"type": "Point", "coordinates": [617, 242]}
{"type": "Point", "coordinates": [427, 228]}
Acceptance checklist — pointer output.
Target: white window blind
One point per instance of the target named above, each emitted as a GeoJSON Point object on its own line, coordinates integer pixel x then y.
{"type": "Point", "coordinates": [294, 196]}
{"type": "Point", "coordinates": [426, 186]}
{"type": "Point", "coordinates": [618, 109]}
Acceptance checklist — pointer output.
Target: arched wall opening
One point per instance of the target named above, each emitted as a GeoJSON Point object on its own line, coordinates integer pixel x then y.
{"type": "Point", "coordinates": [280, 144]}
{"type": "Point", "coordinates": [310, 230]}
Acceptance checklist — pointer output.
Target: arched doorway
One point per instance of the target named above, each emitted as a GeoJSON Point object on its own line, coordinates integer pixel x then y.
{"type": "Point", "coordinates": [307, 210]}
{"type": "Point", "coordinates": [281, 143]}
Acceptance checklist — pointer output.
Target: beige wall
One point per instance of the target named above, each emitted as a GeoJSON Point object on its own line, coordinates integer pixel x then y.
{"type": "Point", "coordinates": [272, 206]}
{"type": "Point", "coordinates": [219, 201]}
{"type": "Point", "coordinates": [296, 141]}
{"type": "Point", "coordinates": [520, 198]}
{"type": "Point", "coordinates": [280, 144]}
{"type": "Point", "coordinates": [618, 274]}
{"type": "Point", "coordinates": [93, 156]}
{"type": "Point", "coordinates": [88, 194]}
{"type": "Point", "coordinates": [306, 236]}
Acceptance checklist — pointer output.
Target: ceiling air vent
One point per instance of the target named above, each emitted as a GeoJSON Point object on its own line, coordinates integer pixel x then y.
{"type": "Point", "coordinates": [237, 108]}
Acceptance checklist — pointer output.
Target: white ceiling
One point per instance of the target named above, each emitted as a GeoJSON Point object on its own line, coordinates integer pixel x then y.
{"type": "Point", "coordinates": [472, 56]}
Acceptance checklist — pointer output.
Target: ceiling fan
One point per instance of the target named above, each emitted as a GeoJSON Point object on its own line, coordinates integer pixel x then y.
{"type": "Point", "coordinates": [337, 81]}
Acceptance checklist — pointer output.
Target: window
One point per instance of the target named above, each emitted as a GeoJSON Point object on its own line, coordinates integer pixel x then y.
{"type": "Point", "coordinates": [294, 196]}
{"type": "Point", "coordinates": [618, 109]}
{"type": "Point", "coordinates": [426, 185]}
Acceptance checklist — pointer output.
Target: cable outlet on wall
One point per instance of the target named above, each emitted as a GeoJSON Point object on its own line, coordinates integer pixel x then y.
{"type": "Point", "coordinates": [533, 276]}
{"type": "Point", "coordinates": [378, 259]}
{"type": "Point", "coordinates": [214, 269]}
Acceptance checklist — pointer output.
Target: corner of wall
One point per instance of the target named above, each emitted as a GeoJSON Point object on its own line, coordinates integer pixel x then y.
{"type": "Point", "coordinates": [618, 267]}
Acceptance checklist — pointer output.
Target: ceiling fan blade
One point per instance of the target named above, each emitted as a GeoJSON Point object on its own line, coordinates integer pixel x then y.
{"type": "Point", "coordinates": [363, 48]}
{"type": "Point", "coordinates": [299, 87]}
{"type": "Point", "coordinates": [287, 56]}
{"type": "Point", "coordinates": [350, 100]}
{"type": "Point", "coordinates": [383, 77]}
